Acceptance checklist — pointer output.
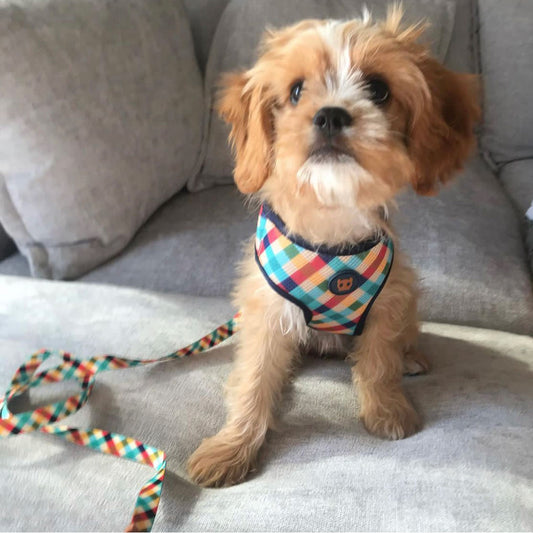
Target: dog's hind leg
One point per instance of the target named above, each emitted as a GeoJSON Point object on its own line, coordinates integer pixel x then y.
{"type": "Point", "coordinates": [415, 362]}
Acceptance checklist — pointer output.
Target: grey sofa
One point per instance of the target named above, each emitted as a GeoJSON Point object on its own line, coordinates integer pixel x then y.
{"type": "Point", "coordinates": [470, 468]}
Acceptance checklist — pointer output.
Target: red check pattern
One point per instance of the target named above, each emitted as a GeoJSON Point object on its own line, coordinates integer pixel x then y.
{"type": "Point", "coordinates": [304, 274]}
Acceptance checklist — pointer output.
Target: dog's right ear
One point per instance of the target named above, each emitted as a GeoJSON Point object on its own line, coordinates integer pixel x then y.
{"type": "Point", "coordinates": [244, 105]}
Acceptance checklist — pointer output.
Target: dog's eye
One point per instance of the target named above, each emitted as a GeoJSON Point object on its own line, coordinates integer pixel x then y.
{"type": "Point", "coordinates": [379, 90]}
{"type": "Point", "coordinates": [296, 92]}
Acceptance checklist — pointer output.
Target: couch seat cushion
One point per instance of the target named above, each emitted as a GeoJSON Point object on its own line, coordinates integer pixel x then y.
{"type": "Point", "coordinates": [465, 244]}
{"type": "Point", "coordinates": [191, 245]}
{"type": "Point", "coordinates": [14, 264]}
{"type": "Point", "coordinates": [460, 242]}
{"type": "Point", "coordinates": [320, 471]}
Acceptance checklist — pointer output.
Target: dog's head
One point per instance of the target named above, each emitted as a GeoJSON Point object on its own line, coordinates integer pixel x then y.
{"type": "Point", "coordinates": [347, 113]}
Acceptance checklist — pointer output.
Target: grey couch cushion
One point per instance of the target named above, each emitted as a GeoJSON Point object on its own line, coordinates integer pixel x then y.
{"type": "Point", "coordinates": [506, 43]}
{"type": "Point", "coordinates": [191, 246]}
{"type": "Point", "coordinates": [463, 51]}
{"type": "Point", "coordinates": [465, 244]}
{"type": "Point", "coordinates": [529, 237]}
{"type": "Point", "coordinates": [204, 16]}
{"type": "Point", "coordinates": [517, 178]}
{"type": "Point", "coordinates": [238, 34]}
{"type": "Point", "coordinates": [14, 264]}
{"type": "Point", "coordinates": [450, 238]}
{"type": "Point", "coordinates": [469, 469]}
{"type": "Point", "coordinates": [100, 123]}
{"type": "Point", "coordinates": [7, 246]}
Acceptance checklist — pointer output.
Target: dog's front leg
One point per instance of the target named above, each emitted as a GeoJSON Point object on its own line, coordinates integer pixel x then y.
{"type": "Point", "coordinates": [263, 361]}
{"type": "Point", "coordinates": [384, 409]}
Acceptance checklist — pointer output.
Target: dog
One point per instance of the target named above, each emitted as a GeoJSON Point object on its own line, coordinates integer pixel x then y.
{"type": "Point", "coordinates": [333, 120]}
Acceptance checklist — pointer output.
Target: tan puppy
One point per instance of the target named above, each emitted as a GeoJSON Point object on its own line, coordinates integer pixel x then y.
{"type": "Point", "coordinates": [333, 120]}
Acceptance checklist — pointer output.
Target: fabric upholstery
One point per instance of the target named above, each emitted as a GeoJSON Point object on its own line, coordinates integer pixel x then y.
{"type": "Point", "coordinates": [203, 17]}
{"type": "Point", "coordinates": [100, 123]}
{"type": "Point", "coordinates": [529, 237]}
{"type": "Point", "coordinates": [192, 245]}
{"type": "Point", "coordinates": [319, 471]}
{"type": "Point", "coordinates": [506, 44]}
{"type": "Point", "coordinates": [463, 53]}
{"type": "Point", "coordinates": [517, 178]}
{"type": "Point", "coordinates": [467, 246]}
{"type": "Point", "coordinates": [14, 224]}
{"type": "Point", "coordinates": [236, 39]}
{"type": "Point", "coordinates": [7, 247]}
{"type": "Point", "coordinates": [450, 239]}
{"type": "Point", "coordinates": [14, 264]}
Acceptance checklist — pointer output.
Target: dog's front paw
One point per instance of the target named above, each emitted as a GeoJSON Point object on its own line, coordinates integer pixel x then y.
{"type": "Point", "coordinates": [219, 462]}
{"type": "Point", "coordinates": [394, 418]}
{"type": "Point", "coordinates": [415, 363]}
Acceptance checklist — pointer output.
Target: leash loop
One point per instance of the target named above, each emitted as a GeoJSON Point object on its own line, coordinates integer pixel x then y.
{"type": "Point", "coordinates": [84, 371]}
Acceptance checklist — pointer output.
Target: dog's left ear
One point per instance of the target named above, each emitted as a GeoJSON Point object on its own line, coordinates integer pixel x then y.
{"type": "Point", "coordinates": [244, 104]}
{"type": "Point", "coordinates": [441, 131]}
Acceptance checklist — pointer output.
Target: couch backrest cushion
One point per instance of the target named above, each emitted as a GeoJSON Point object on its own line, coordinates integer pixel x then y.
{"type": "Point", "coordinates": [506, 47]}
{"type": "Point", "coordinates": [463, 53]}
{"type": "Point", "coordinates": [203, 17]}
{"type": "Point", "coordinates": [238, 34]}
{"type": "Point", "coordinates": [101, 112]}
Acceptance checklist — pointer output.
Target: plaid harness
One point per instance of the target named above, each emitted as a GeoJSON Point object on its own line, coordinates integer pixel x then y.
{"type": "Point", "coordinates": [335, 288]}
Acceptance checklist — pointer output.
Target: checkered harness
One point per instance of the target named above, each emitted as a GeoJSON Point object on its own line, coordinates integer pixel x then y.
{"type": "Point", "coordinates": [335, 288]}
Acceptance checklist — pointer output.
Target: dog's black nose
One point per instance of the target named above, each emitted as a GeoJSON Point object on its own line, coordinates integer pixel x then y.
{"type": "Point", "coordinates": [332, 120]}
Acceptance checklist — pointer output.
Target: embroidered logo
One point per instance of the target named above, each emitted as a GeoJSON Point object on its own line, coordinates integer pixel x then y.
{"type": "Point", "coordinates": [344, 282]}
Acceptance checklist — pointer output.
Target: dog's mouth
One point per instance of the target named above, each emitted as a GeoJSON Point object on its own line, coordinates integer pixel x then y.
{"type": "Point", "coordinates": [329, 153]}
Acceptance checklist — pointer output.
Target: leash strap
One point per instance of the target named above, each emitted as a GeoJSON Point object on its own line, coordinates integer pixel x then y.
{"type": "Point", "coordinates": [84, 371]}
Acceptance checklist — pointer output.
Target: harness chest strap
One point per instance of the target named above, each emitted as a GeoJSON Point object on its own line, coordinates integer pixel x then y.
{"type": "Point", "coordinates": [334, 287]}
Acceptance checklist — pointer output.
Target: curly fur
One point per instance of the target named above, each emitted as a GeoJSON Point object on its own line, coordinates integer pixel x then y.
{"type": "Point", "coordinates": [420, 138]}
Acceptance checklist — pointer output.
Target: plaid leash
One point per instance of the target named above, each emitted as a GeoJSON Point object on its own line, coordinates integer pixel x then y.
{"type": "Point", "coordinates": [84, 371]}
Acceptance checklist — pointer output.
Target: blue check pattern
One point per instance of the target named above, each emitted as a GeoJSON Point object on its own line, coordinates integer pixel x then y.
{"type": "Point", "coordinates": [334, 290]}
